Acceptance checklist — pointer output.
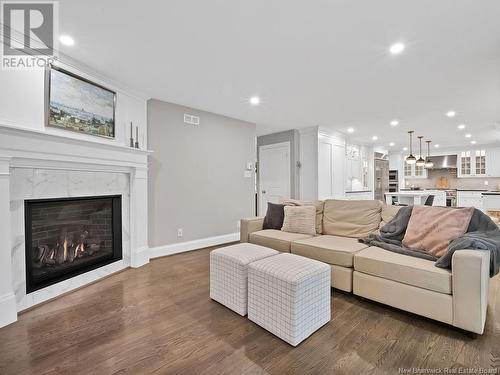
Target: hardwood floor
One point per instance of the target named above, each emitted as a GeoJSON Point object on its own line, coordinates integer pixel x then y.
{"type": "Point", "coordinates": [159, 319]}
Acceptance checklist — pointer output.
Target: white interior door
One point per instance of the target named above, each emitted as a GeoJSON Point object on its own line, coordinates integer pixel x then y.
{"type": "Point", "coordinates": [274, 174]}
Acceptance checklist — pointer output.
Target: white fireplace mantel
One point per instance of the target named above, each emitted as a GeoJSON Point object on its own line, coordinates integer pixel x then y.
{"type": "Point", "coordinates": [32, 149]}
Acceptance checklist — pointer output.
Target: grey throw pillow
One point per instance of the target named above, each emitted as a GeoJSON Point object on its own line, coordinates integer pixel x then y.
{"type": "Point", "coordinates": [274, 216]}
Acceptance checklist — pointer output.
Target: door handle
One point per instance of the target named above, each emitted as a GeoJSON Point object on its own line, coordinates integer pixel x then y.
{"type": "Point", "coordinates": [263, 192]}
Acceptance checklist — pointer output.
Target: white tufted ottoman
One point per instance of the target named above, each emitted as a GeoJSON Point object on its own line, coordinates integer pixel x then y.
{"type": "Point", "coordinates": [289, 296]}
{"type": "Point", "coordinates": [229, 273]}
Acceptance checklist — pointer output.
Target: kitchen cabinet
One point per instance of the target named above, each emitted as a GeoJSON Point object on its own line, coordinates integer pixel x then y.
{"type": "Point", "coordinates": [413, 170]}
{"type": "Point", "coordinates": [470, 199]}
{"type": "Point", "coordinates": [322, 169]}
{"type": "Point", "coordinates": [472, 163]}
{"type": "Point", "coordinates": [491, 201]}
{"type": "Point", "coordinates": [330, 168]}
{"type": "Point", "coordinates": [493, 162]}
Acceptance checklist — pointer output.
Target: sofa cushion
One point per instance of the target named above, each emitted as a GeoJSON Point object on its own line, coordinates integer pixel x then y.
{"type": "Point", "coordinates": [409, 270]}
{"type": "Point", "coordinates": [275, 239]}
{"type": "Point", "coordinates": [356, 218]}
{"type": "Point", "coordinates": [328, 249]}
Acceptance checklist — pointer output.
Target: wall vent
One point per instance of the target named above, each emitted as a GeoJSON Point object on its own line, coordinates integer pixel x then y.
{"type": "Point", "coordinates": [190, 119]}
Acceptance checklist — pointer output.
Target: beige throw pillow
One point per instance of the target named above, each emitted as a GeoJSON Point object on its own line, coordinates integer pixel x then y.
{"type": "Point", "coordinates": [319, 210]}
{"type": "Point", "coordinates": [300, 219]}
{"type": "Point", "coordinates": [432, 228]}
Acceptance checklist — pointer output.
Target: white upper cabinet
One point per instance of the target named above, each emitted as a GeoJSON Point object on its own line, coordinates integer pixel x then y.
{"type": "Point", "coordinates": [493, 162]}
{"type": "Point", "coordinates": [413, 170]}
{"type": "Point", "coordinates": [473, 163]}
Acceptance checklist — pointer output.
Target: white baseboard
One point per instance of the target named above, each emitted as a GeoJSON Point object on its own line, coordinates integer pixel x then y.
{"type": "Point", "coordinates": [8, 309]}
{"type": "Point", "coordinates": [181, 247]}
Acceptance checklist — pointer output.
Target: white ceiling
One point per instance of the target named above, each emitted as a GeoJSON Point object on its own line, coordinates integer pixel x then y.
{"type": "Point", "coordinates": [312, 62]}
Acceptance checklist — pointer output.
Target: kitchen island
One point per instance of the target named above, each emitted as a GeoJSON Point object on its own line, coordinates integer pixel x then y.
{"type": "Point", "coordinates": [409, 198]}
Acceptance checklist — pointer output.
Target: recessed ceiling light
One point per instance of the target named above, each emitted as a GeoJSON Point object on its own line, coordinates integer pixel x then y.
{"type": "Point", "coordinates": [350, 130]}
{"type": "Point", "coordinates": [254, 100]}
{"type": "Point", "coordinates": [397, 48]}
{"type": "Point", "coordinates": [451, 113]}
{"type": "Point", "coordinates": [468, 135]}
{"type": "Point", "coordinates": [473, 142]}
{"type": "Point", "coordinates": [392, 144]}
{"type": "Point", "coordinates": [405, 148]}
{"type": "Point", "coordinates": [394, 123]}
{"type": "Point", "coordinates": [461, 126]}
{"type": "Point", "coordinates": [67, 40]}
{"type": "Point", "coordinates": [436, 146]}
{"type": "Point", "coordinates": [374, 138]}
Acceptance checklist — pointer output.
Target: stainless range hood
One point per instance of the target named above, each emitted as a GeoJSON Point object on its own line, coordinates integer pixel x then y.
{"type": "Point", "coordinates": [444, 162]}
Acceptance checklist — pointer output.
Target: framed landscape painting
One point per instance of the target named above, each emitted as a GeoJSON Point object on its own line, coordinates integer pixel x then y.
{"type": "Point", "coordinates": [79, 105]}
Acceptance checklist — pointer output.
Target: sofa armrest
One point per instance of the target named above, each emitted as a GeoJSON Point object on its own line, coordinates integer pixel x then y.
{"type": "Point", "coordinates": [250, 225]}
{"type": "Point", "coordinates": [471, 278]}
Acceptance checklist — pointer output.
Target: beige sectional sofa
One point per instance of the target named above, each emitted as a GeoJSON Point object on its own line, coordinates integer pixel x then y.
{"type": "Point", "coordinates": [458, 297]}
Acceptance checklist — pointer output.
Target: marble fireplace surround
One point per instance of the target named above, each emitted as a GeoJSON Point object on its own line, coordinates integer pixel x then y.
{"type": "Point", "coordinates": [35, 164]}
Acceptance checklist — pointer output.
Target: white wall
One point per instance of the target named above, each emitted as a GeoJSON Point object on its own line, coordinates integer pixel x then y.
{"type": "Point", "coordinates": [197, 178]}
{"type": "Point", "coordinates": [22, 104]}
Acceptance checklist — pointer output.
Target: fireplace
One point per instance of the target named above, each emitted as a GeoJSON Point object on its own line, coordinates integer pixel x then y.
{"type": "Point", "coordinates": [69, 236]}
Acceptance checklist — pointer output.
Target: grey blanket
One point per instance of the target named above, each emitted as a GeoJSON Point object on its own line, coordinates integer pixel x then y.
{"type": "Point", "coordinates": [482, 234]}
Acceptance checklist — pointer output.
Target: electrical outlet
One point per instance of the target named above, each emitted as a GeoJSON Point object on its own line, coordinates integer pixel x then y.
{"type": "Point", "coordinates": [179, 232]}
{"type": "Point", "coordinates": [486, 182]}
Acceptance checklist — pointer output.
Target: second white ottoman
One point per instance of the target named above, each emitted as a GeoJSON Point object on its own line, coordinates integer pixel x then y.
{"type": "Point", "coordinates": [229, 273]}
{"type": "Point", "coordinates": [289, 296]}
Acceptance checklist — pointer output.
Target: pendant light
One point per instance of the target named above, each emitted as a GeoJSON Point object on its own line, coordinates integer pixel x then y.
{"type": "Point", "coordinates": [420, 162]}
{"type": "Point", "coordinates": [410, 159]}
{"type": "Point", "coordinates": [428, 163]}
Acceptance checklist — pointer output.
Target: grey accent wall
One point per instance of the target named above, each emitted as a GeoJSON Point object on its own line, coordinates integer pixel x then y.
{"type": "Point", "coordinates": [196, 174]}
{"type": "Point", "coordinates": [291, 136]}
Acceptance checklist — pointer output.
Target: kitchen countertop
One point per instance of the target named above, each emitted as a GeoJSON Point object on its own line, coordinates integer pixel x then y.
{"type": "Point", "coordinates": [450, 189]}
{"type": "Point", "coordinates": [409, 193]}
